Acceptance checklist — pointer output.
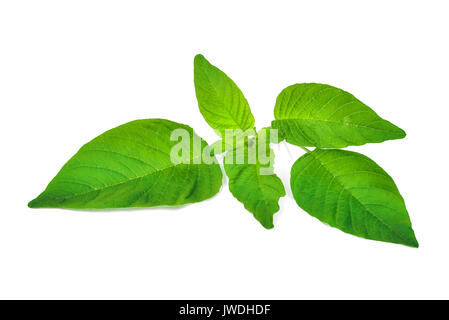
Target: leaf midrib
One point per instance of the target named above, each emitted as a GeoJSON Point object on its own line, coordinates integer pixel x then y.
{"type": "Point", "coordinates": [129, 180]}
{"type": "Point", "coordinates": [338, 122]}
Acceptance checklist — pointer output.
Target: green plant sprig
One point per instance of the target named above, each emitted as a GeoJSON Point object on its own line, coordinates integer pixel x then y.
{"type": "Point", "coordinates": [130, 166]}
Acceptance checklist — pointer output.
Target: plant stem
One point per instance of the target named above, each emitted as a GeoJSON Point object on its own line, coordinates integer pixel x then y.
{"type": "Point", "coordinates": [305, 149]}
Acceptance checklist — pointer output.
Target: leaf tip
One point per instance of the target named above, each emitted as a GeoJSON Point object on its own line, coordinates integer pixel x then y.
{"type": "Point", "coordinates": [399, 133]}
{"type": "Point", "coordinates": [39, 202]}
{"type": "Point", "coordinates": [199, 58]}
{"type": "Point", "coordinates": [410, 240]}
{"type": "Point", "coordinates": [268, 226]}
{"type": "Point", "coordinates": [33, 204]}
{"type": "Point", "coordinates": [414, 243]}
{"type": "Point", "coordinates": [266, 222]}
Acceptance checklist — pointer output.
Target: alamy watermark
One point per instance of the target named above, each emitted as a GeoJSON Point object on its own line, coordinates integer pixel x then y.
{"type": "Point", "coordinates": [241, 147]}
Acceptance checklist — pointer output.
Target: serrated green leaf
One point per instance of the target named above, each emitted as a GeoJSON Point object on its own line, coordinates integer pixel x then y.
{"type": "Point", "coordinates": [351, 192]}
{"type": "Point", "coordinates": [254, 183]}
{"type": "Point", "coordinates": [322, 116]}
{"type": "Point", "coordinates": [221, 102]}
{"type": "Point", "coordinates": [130, 166]}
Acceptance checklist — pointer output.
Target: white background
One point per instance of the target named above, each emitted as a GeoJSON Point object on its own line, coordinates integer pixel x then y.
{"type": "Point", "coordinates": [69, 70]}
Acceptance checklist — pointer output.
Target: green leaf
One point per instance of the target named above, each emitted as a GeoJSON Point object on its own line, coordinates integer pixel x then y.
{"type": "Point", "coordinates": [322, 116]}
{"type": "Point", "coordinates": [253, 182]}
{"type": "Point", "coordinates": [221, 102]}
{"type": "Point", "coordinates": [351, 192]}
{"type": "Point", "coordinates": [130, 166]}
